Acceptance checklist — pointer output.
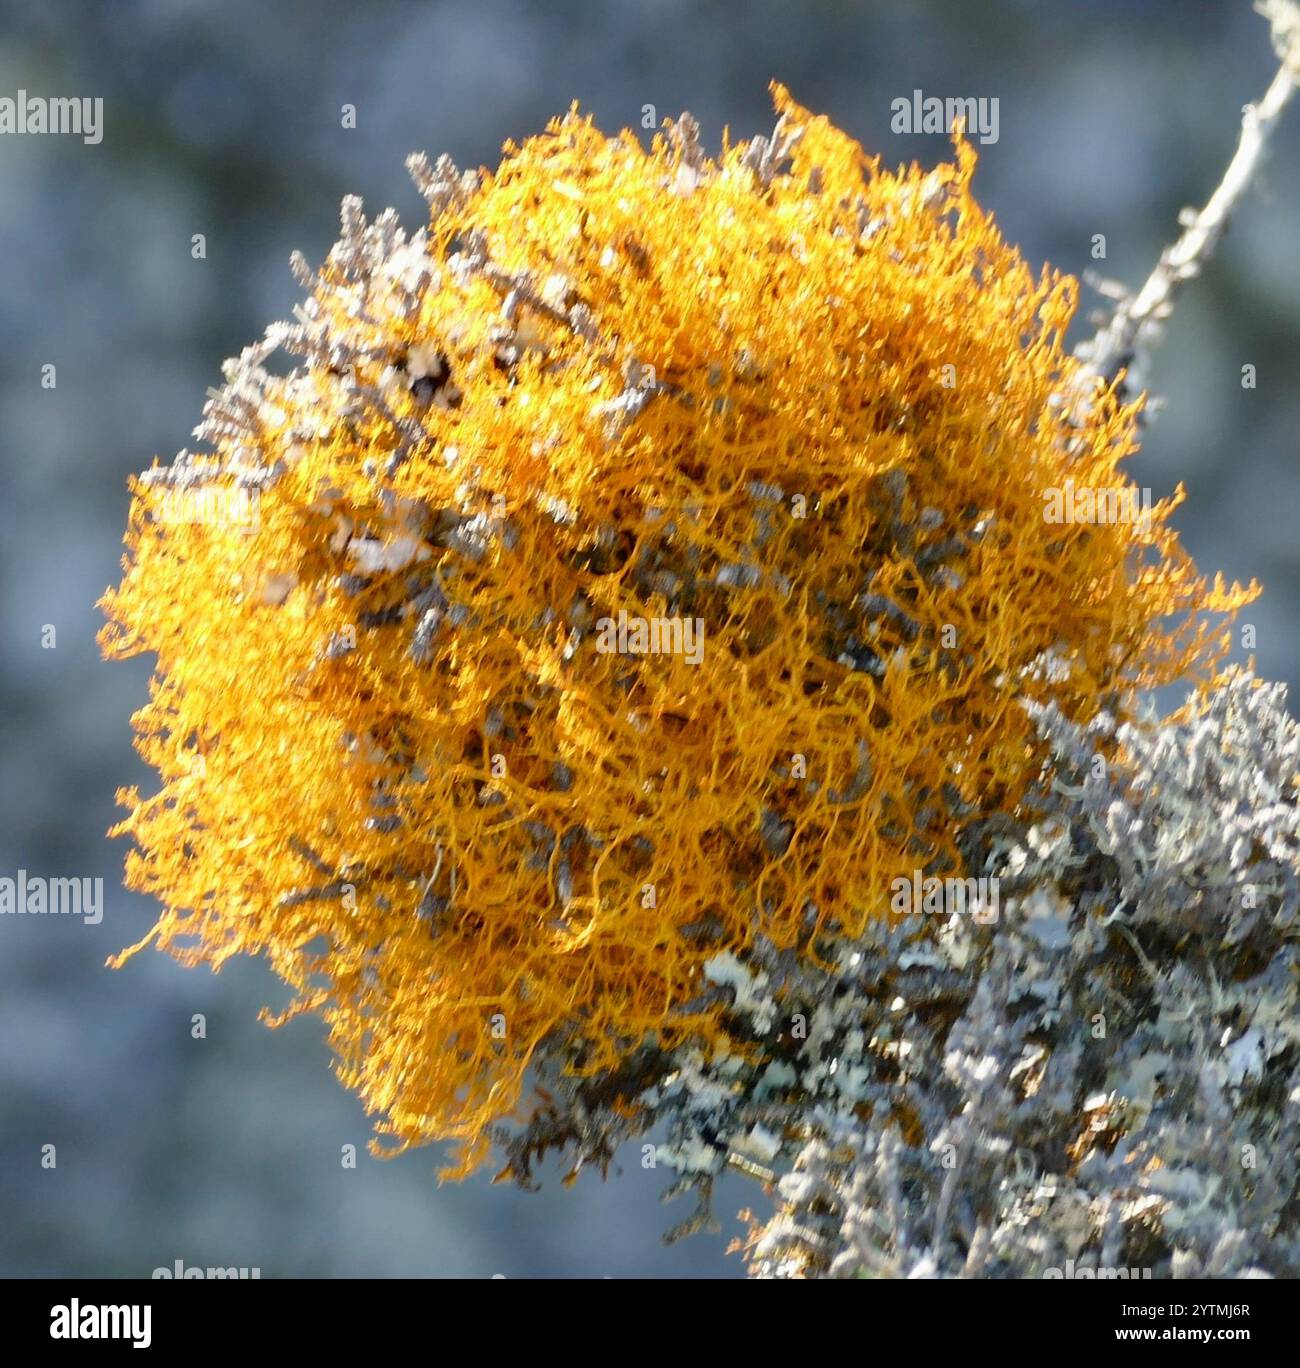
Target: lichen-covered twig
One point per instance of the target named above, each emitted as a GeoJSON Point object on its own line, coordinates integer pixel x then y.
{"type": "Point", "coordinates": [801, 412]}
{"type": "Point", "coordinates": [1124, 342]}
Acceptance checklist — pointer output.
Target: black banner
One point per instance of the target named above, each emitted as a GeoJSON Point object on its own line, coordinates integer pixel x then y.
{"type": "Point", "coordinates": [1078, 1313]}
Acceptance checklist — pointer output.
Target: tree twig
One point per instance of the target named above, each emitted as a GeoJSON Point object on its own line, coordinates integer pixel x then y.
{"type": "Point", "coordinates": [1124, 342]}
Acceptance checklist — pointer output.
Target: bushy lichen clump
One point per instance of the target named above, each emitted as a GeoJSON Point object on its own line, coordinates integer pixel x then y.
{"type": "Point", "coordinates": [800, 402]}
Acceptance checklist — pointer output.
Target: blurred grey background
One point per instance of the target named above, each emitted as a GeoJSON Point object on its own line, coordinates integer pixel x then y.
{"type": "Point", "coordinates": [222, 117]}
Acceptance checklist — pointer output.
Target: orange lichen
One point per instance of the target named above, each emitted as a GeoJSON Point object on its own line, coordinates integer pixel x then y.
{"type": "Point", "coordinates": [770, 394]}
